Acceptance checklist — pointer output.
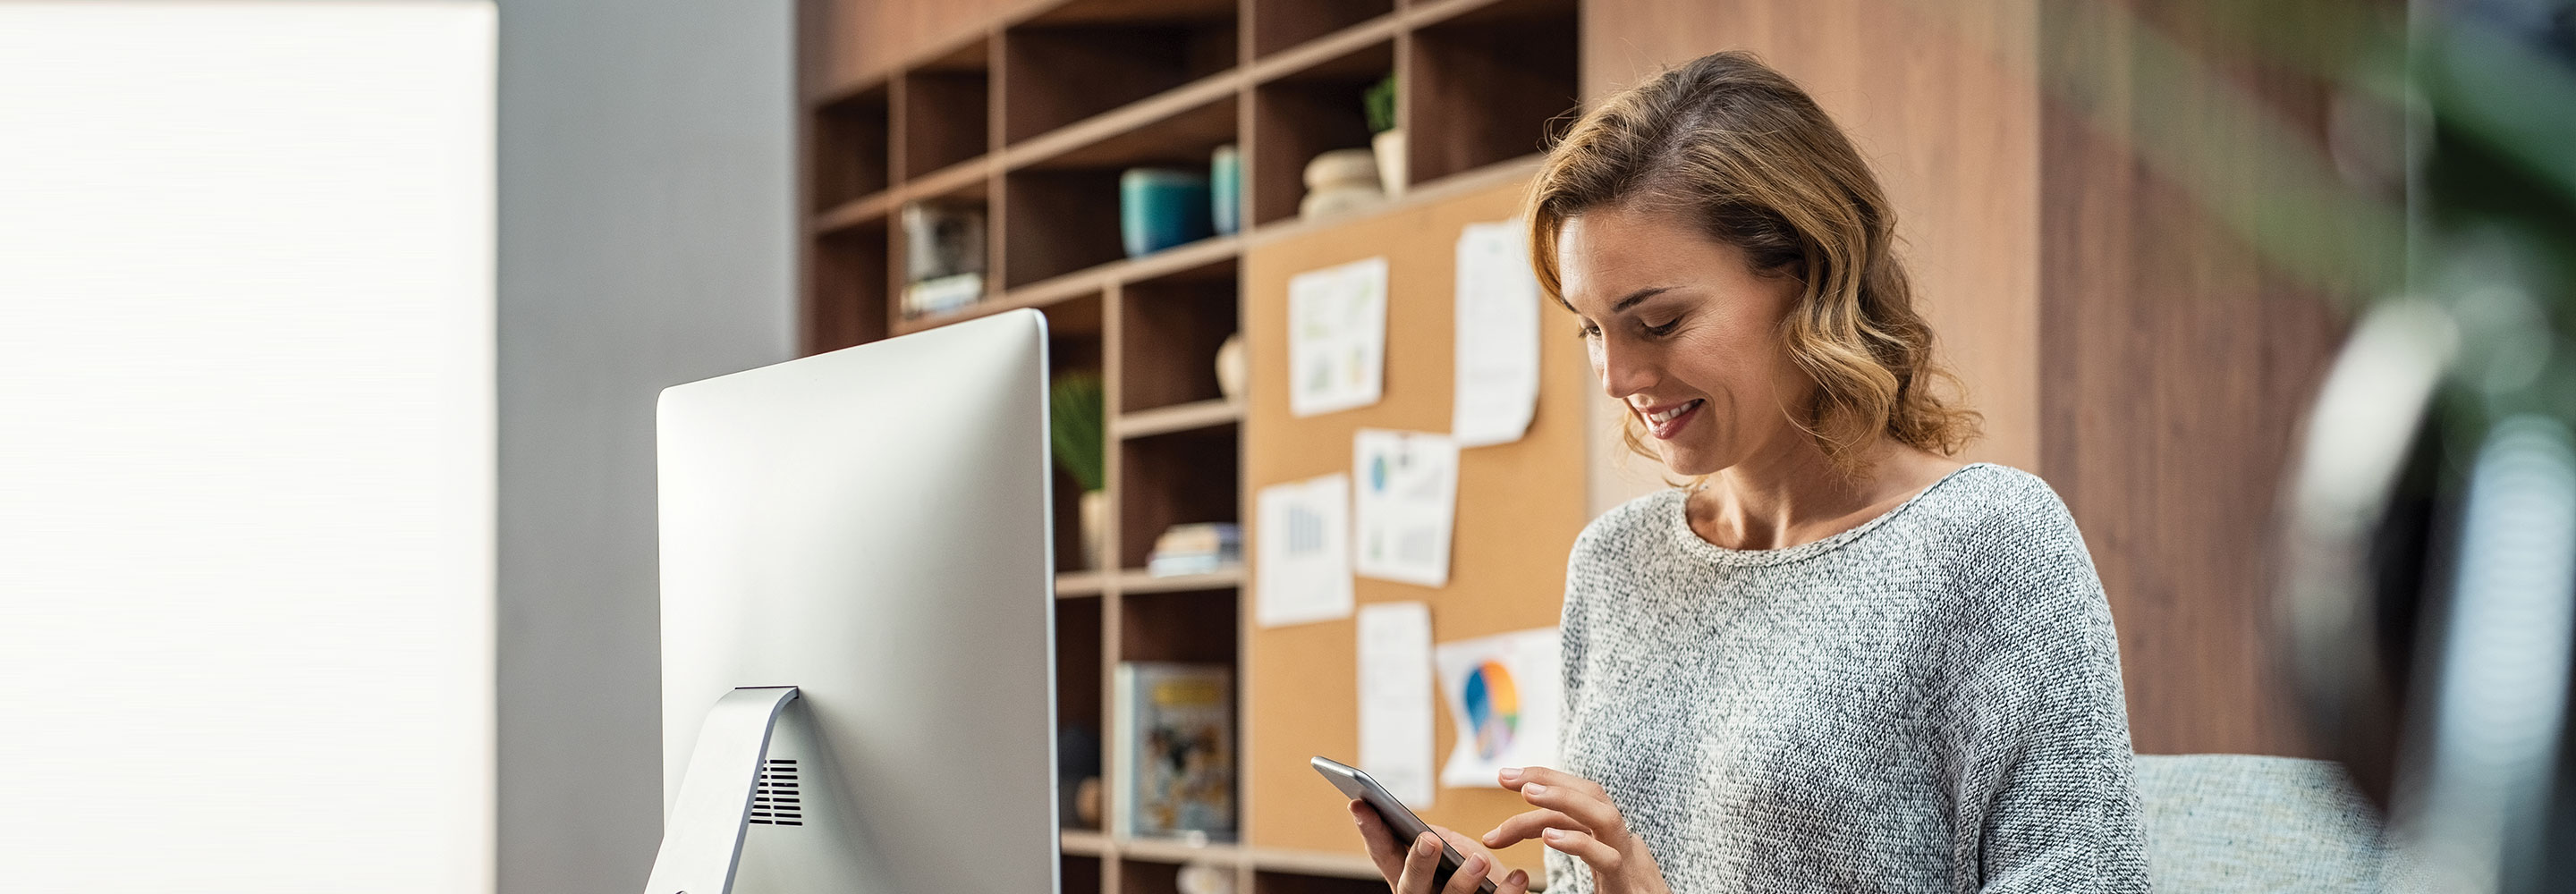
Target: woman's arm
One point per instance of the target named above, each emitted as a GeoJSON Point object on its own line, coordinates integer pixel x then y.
{"type": "Point", "coordinates": [2034, 731]}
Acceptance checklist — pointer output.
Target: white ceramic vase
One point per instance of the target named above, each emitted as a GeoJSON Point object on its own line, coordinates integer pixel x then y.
{"type": "Point", "coordinates": [1231, 367]}
{"type": "Point", "coordinates": [1095, 528]}
{"type": "Point", "coordinates": [1389, 147]}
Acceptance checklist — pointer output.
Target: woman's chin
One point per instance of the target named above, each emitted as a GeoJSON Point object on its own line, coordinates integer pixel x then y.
{"type": "Point", "coordinates": [1689, 463]}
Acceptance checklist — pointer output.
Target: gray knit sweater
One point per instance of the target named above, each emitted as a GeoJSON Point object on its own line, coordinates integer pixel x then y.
{"type": "Point", "coordinates": [1929, 702]}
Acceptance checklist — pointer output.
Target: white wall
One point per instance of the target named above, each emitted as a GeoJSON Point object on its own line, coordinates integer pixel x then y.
{"type": "Point", "coordinates": [246, 446]}
{"type": "Point", "coordinates": [647, 239]}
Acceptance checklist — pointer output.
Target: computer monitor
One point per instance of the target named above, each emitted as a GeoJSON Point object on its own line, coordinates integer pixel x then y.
{"type": "Point", "coordinates": [871, 527]}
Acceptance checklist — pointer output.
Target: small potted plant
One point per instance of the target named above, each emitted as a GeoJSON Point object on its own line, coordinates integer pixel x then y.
{"type": "Point", "coordinates": [1074, 426]}
{"type": "Point", "coordinates": [1388, 140]}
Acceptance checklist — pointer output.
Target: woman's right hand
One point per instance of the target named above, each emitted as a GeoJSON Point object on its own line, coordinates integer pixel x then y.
{"type": "Point", "coordinates": [1408, 867]}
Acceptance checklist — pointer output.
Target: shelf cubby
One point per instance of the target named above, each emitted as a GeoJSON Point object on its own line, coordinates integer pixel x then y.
{"type": "Point", "coordinates": [1069, 558]}
{"type": "Point", "coordinates": [970, 192]}
{"type": "Point", "coordinates": [1165, 480]}
{"type": "Point", "coordinates": [1089, 56]}
{"type": "Point", "coordinates": [1303, 113]}
{"type": "Point", "coordinates": [1482, 86]}
{"type": "Point", "coordinates": [946, 105]}
{"type": "Point", "coordinates": [1078, 642]}
{"type": "Point", "coordinates": [1280, 24]}
{"type": "Point", "coordinates": [1073, 345]}
{"type": "Point", "coordinates": [1170, 329]}
{"type": "Point", "coordinates": [1195, 626]}
{"type": "Point", "coordinates": [847, 299]}
{"type": "Point", "coordinates": [1192, 627]}
{"type": "Point", "coordinates": [1081, 873]}
{"type": "Point", "coordinates": [850, 154]}
{"type": "Point", "coordinates": [1074, 326]}
{"type": "Point", "coordinates": [1148, 877]}
{"type": "Point", "coordinates": [1178, 129]}
{"type": "Point", "coordinates": [1059, 221]}
{"type": "Point", "coordinates": [1063, 214]}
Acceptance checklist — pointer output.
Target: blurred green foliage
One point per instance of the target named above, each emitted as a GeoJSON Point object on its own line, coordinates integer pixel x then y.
{"type": "Point", "coordinates": [1074, 425]}
{"type": "Point", "coordinates": [1379, 103]}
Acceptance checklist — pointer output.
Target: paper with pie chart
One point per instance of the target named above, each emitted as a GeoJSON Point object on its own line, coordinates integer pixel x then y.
{"type": "Point", "coordinates": [1504, 695]}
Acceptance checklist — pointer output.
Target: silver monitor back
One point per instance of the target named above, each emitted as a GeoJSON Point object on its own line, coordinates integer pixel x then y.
{"type": "Point", "coordinates": [872, 526]}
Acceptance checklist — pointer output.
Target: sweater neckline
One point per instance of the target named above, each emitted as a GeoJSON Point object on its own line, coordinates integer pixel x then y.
{"type": "Point", "coordinates": [1677, 520]}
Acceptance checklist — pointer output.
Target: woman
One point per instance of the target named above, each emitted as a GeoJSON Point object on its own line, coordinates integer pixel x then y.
{"type": "Point", "coordinates": [1836, 660]}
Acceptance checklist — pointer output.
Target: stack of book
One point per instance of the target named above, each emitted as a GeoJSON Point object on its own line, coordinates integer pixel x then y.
{"type": "Point", "coordinates": [1196, 548]}
{"type": "Point", "coordinates": [939, 296]}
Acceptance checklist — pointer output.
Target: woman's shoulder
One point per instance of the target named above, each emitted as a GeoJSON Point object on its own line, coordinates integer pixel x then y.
{"type": "Point", "coordinates": [1985, 498]}
{"type": "Point", "coordinates": [2012, 544]}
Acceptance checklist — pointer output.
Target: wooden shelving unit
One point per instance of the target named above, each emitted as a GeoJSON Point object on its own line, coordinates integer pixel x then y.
{"type": "Point", "coordinates": [1034, 118]}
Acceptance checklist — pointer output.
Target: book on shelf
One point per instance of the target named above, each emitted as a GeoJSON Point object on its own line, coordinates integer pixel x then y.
{"type": "Point", "coordinates": [947, 293]}
{"type": "Point", "coordinates": [1175, 726]}
{"type": "Point", "coordinates": [944, 255]}
{"type": "Point", "coordinates": [1196, 548]}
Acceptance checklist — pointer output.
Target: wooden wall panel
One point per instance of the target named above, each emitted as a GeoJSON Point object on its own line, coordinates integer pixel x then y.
{"type": "Point", "coordinates": [2174, 367]}
{"type": "Point", "coordinates": [1520, 506]}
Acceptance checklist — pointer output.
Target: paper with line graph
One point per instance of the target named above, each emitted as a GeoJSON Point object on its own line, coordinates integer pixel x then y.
{"type": "Point", "coordinates": [1404, 506]}
{"type": "Point", "coordinates": [1302, 552]}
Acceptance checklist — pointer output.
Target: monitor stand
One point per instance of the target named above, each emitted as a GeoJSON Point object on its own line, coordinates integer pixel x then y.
{"type": "Point", "coordinates": [702, 838]}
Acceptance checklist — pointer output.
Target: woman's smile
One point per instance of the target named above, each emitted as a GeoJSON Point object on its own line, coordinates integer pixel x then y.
{"type": "Point", "coordinates": [1665, 421]}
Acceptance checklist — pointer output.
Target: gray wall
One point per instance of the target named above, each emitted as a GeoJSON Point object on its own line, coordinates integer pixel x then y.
{"type": "Point", "coordinates": [647, 230]}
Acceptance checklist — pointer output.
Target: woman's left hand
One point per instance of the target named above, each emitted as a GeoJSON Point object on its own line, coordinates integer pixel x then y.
{"type": "Point", "coordinates": [1576, 818]}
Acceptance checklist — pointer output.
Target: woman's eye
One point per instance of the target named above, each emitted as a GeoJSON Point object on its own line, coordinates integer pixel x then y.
{"type": "Point", "coordinates": [1587, 330]}
{"type": "Point", "coordinates": [1663, 330]}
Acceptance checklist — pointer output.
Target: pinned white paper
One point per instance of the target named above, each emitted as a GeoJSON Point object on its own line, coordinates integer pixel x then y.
{"type": "Point", "coordinates": [1395, 698]}
{"type": "Point", "coordinates": [1405, 505]}
{"type": "Point", "coordinates": [1504, 693]}
{"type": "Point", "coordinates": [1498, 339]}
{"type": "Point", "coordinates": [1302, 560]}
{"type": "Point", "coordinates": [1337, 337]}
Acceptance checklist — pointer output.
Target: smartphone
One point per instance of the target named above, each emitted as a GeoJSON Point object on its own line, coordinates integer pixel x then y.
{"type": "Point", "coordinates": [1400, 820]}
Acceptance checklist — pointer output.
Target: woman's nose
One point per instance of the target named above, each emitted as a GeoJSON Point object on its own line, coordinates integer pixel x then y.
{"type": "Point", "coordinates": [1622, 372]}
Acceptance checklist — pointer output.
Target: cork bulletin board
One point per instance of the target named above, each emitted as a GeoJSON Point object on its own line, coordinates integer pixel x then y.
{"type": "Point", "coordinates": [1520, 506]}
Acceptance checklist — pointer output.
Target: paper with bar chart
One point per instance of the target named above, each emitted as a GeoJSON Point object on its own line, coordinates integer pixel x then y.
{"type": "Point", "coordinates": [1302, 552]}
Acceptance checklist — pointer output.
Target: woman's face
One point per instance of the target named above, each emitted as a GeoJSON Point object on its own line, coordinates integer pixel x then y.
{"type": "Point", "coordinates": [1685, 334]}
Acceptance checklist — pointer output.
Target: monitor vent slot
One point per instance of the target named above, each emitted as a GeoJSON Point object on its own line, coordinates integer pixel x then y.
{"type": "Point", "coordinates": [776, 802]}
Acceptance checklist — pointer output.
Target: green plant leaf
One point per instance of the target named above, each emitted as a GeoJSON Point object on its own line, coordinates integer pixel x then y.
{"type": "Point", "coordinates": [1074, 426]}
{"type": "Point", "coordinates": [1379, 104]}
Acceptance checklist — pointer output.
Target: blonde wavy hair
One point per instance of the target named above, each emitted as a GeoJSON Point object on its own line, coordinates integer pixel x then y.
{"type": "Point", "coordinates": [1731, 144]}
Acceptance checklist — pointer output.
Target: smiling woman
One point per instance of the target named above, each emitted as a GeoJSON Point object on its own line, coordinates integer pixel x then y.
{"type": "Point", "coordinates": [1836, 658]}
{"type": "Point", "coordinates": [1749, 167]}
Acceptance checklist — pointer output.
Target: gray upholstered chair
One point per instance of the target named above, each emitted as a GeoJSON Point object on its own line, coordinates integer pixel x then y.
{"type": "Point", "coordinates": [2237, 823]}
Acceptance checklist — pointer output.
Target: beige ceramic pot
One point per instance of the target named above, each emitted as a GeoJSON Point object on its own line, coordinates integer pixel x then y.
{"type": "Point", "coordinates": [1095, 528]}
